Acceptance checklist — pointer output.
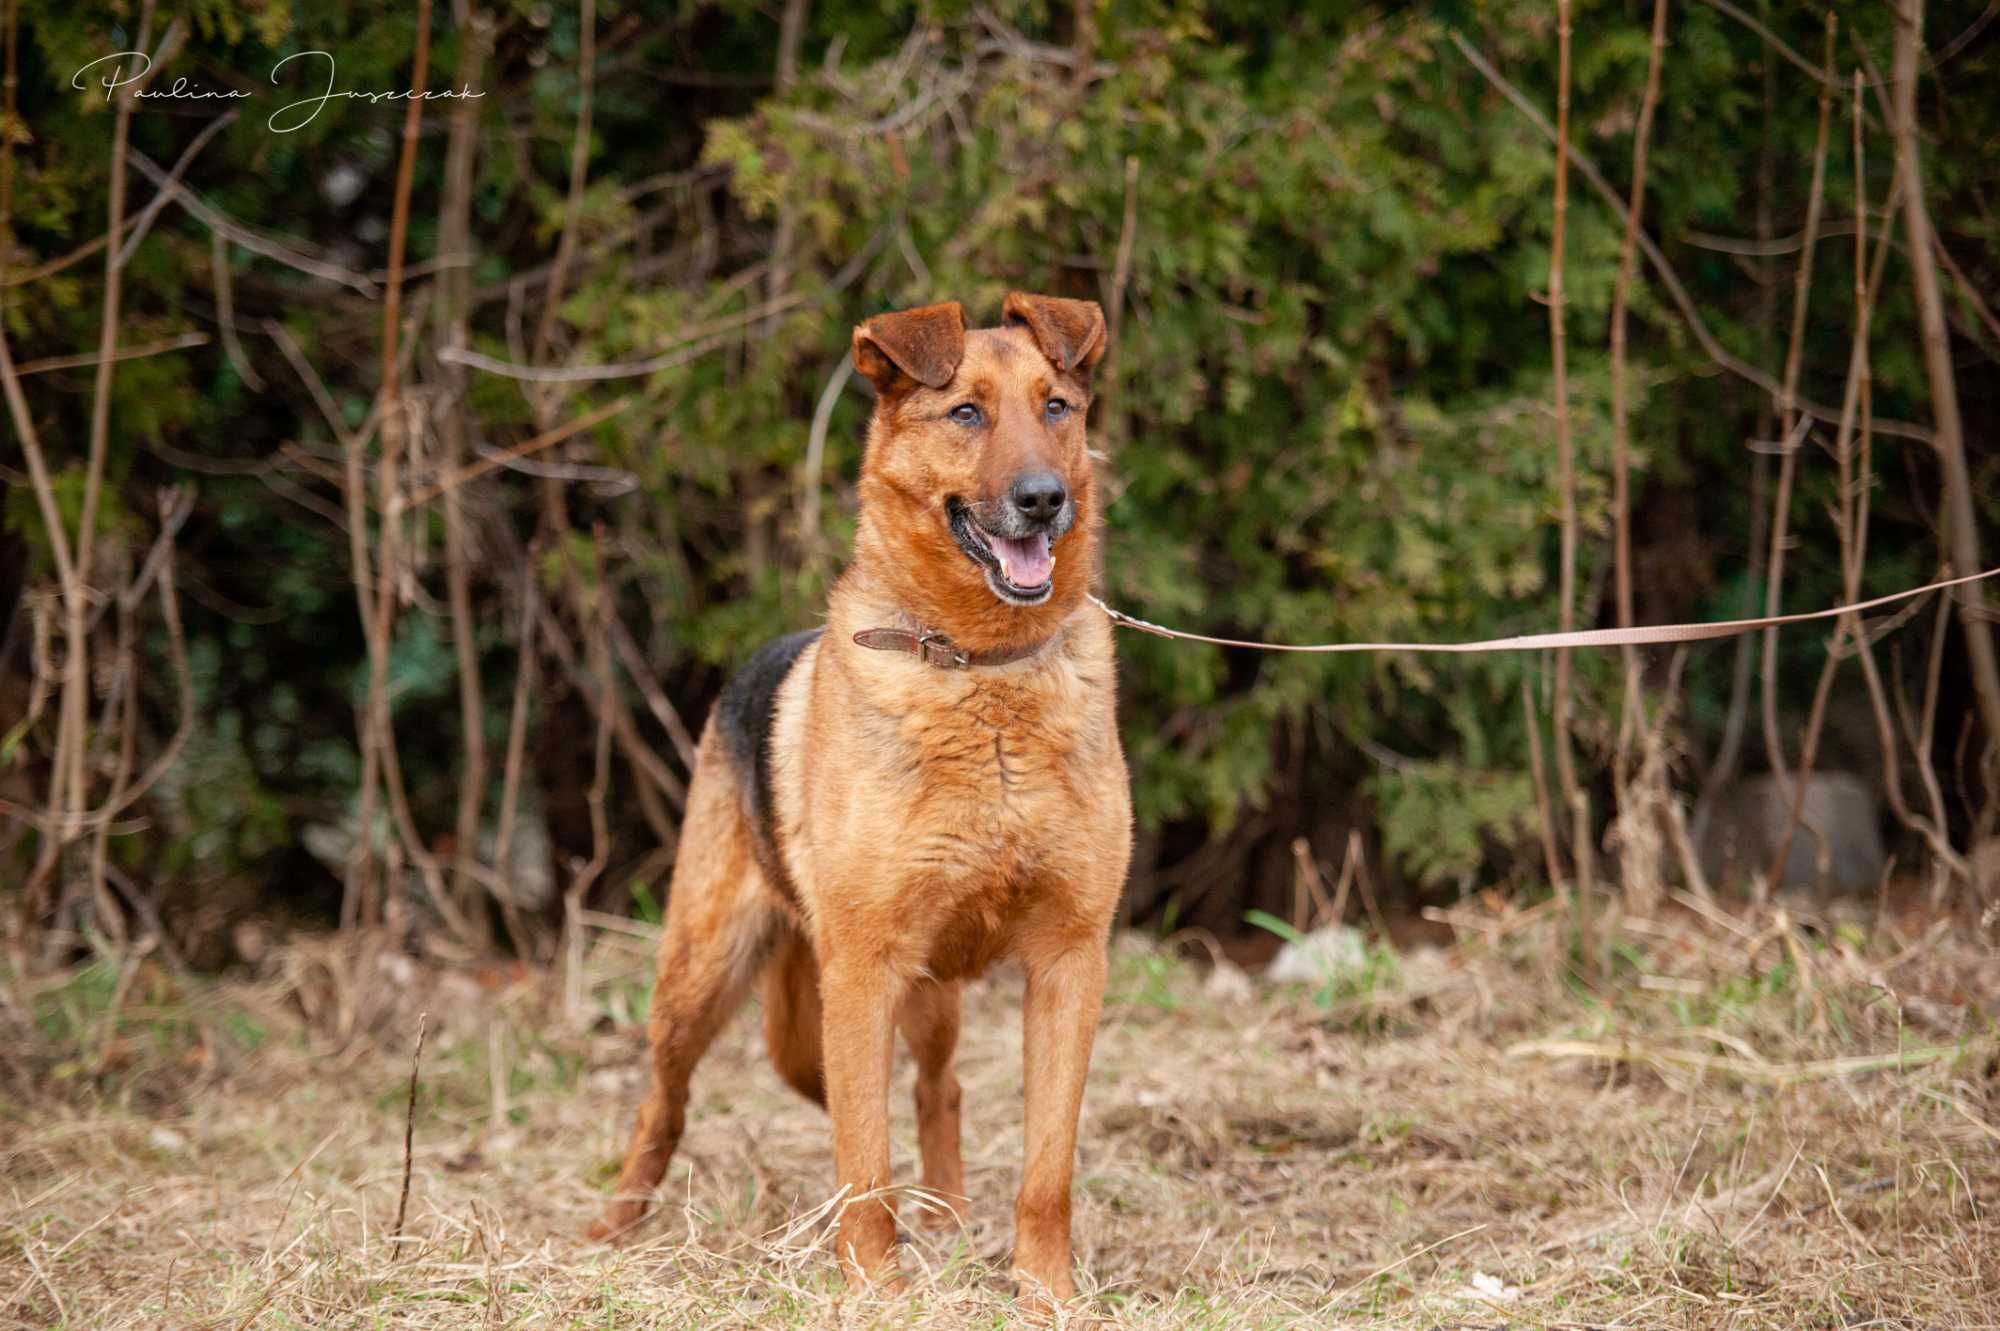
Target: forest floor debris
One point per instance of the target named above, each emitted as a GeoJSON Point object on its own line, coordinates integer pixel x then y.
{"type": "Point", "coordinates": [1727, 1132]}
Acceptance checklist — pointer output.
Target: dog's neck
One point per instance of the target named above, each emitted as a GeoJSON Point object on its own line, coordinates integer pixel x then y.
{"type": "Point", "coordinates": [872, 615]}
{"type": "Point", "coordinates": [937, 649]}
{"type": "Point", "coordinates": [924, 586]}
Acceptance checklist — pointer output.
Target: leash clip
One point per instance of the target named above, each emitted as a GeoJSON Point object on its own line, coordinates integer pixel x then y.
{"type": "Point", "coordinates": [1119, 617]}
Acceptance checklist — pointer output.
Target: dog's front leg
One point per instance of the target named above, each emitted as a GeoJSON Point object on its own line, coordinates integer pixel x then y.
{"type": "Point", "coordinates": [1059, 1023]}
{"type": "Point", "coordinates": [858, 1000]}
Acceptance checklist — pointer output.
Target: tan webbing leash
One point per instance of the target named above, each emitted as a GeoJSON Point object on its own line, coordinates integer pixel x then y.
{"type": "Point", "coordinates": [1649, 635]}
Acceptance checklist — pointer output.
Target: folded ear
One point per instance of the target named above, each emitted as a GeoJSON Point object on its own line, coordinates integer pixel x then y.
{"type": "Point", "coordinates": [1069, 332]}
{"type": "Point", "coordinates": [924, 344]}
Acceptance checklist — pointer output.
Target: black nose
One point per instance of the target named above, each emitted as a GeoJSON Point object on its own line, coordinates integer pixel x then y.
{"type": "Point", "coordinates": [1039, 495]}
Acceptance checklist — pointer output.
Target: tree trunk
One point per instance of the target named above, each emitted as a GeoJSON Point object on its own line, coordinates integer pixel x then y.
{"type": "Point", "coordinates": [1961, 529]}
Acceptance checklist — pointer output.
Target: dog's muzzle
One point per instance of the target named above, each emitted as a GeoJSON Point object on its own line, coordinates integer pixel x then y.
{"type": "Point", "coordinates": [1012, 538]}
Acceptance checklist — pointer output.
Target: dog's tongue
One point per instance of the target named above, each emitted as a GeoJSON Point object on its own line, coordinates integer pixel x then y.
{"type": "Point", "coordinates": [1025, 560]}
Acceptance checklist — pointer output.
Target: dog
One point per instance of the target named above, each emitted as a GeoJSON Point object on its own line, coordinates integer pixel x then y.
{"type": "Point", "coordinates": [883, 808]}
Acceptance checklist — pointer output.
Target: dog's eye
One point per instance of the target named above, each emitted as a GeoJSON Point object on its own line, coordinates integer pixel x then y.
{"type": "Point", "coordinates": [966, 414]}
{"type": "Point", "coordinates": [1057, 409]}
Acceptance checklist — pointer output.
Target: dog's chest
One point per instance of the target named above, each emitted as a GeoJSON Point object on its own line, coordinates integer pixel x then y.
{"type": "Point", "coordinates": [992, 775]}
{"type": "Point", "coordinates": [945, 815]}
{"type": "Point", "coordinates": [995, 795]}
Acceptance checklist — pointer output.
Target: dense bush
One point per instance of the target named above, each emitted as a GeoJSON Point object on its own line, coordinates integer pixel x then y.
{"type": "Point", "coordinates": [1323, 236]}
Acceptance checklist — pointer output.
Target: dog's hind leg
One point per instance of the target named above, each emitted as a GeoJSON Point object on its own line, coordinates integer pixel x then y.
{"type": "Point", "coordinates": [721, 920]}
{"type": "Point", "coordinates": [929, 1021]}
{"type": "Point", "coordinates": [792, 1015]}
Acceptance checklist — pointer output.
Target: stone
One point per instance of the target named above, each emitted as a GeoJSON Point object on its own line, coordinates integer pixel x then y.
{"type": "Point", "coordinates": [1740, 840]}
{"type": "Point", "coordinates": [1228, 985]}
{"type": "Point", "coordinates": [1321, 956]}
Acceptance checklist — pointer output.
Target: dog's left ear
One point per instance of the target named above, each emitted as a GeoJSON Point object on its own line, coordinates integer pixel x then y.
{"type": "Point", "coordinates": [1069, 332]}
{"type": "Point", "coordinates": [924, 345]}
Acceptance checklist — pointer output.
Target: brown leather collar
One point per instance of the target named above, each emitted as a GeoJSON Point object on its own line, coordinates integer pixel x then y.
{"type": "Point", "coordinates": [933, 648]}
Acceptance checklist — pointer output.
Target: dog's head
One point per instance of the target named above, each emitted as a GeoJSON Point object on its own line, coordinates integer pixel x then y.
{"type": "Point", "coordinates": [977, 501]}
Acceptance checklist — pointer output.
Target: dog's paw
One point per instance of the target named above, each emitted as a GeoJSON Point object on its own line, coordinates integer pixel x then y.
{"type": "Point", "coordinates": [884, 1284]}
{"type": "Point", "coordinates": [1053, 1305]}
{"type": "Point", "coordinates": [1036, 1308]}
{"type": "Point", "coordinates": [936, 1214]}
{"type": "Point", "coordinates": [617, 1218]}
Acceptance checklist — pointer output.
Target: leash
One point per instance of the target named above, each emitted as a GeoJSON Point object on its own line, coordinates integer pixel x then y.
{"type": "Point", "coordinates": [1649, 635]}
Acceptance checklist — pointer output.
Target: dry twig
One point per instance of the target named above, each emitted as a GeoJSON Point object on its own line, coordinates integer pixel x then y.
{"type": "Point", "coordinates": [410, 1127]}
{"type": "Point", "coordinates": [1743, 1069]}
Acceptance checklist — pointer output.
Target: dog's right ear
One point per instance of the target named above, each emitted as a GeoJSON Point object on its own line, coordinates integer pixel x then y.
{"type": "Point", "coordinates": [921, 346]}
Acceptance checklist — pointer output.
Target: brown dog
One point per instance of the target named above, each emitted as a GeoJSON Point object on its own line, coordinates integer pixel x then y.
{"type": "Point", "coordinates": [934, 782]}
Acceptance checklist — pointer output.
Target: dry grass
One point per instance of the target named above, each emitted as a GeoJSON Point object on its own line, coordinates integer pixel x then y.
{"type": "Point", "coordinates": [1752, 1125]}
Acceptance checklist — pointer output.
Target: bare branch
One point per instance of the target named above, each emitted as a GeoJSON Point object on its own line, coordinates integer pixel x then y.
{"type": "Point", "coordinates": [695, 343]}
{"type": "Point", "coordinates": [70, 780]}
{"type": "Point", "coordinates": [225, 313]}
{"type": "Point", "coordinates": [82, 360]}
{"type": "Point", "coordinates": [378, 609]}
{"type": "Point", "coordinates": [1621, 464]}
{"type": "Point", "coordinates": [579, 169]}
{"type": "Point", "coordinates": [56, 265]}
{"type": "Point", "coordinates": [1113, 375]}
{"type": "Point", "coordinates": [1793, 428]}
{"type": "Point", "coordinates": [454, 429]}
{"type": "Point", "coordinates": [242, 235]}
{"type": "Point", "coordinates": [1818, 74]}
{"type": "Point", "coordinates": [815, 458]}
{"type": "Point", "coordinates": [1582, 843]}
{"type": "Point", "coordinates": [638, 754]}
{"type": "Point", "coordinates": [656, 699]}
{"type": "Point", "coordinates": [546, 439]}
{"type": "Point", "coordinates": [577, 894]}
{"type": "Point", "coordinates": [1712, 348]}
{"type": "Point", "coordinates": [525, 658]}
{"type": "Point", "coordinates": [791, 35]}
{"type": "Point", "coordinates": [144, 222]}
{"type": "Point", "coordinates": [175, 505]}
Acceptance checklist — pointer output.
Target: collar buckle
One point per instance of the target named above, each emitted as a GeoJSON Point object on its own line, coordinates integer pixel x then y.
{"type": "Point", "coordinates": [939, 650]}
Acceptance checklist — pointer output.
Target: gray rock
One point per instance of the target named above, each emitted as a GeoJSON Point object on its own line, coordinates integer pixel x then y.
{"type": "Point", "coordinates": [1742, 836]}
{"type": "Point", "coordinates": [1322, 956]}
{"type": "Point", "coordinates": [1228, 985]}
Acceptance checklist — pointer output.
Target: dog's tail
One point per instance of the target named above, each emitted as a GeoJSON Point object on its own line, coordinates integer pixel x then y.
{"type": "Point", "coordinates": [792, 1014]}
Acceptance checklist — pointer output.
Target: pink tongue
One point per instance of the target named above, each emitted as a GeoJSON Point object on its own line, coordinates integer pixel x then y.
{"type": "Point", "coordinates": [1025, 561]}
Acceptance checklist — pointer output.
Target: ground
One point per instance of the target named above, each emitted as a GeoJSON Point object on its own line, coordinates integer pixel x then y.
{"type": "Point", "coordinates": [1753, 1119]}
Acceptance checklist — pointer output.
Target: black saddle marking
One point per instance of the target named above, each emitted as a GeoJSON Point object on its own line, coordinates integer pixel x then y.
{"type": "Point", "coordinates": [744, 716]}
